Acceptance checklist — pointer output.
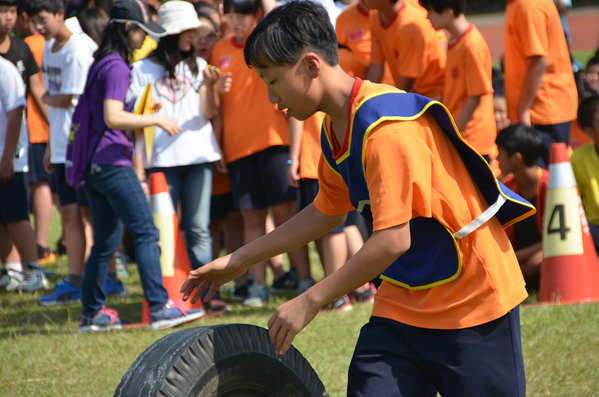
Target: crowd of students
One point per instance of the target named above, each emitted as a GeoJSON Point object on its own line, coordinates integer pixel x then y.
{"type": "Point", "coordinates": [235, 165]}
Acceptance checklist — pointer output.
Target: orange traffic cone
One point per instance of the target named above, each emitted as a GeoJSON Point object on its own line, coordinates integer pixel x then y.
{"type": "Point", "coordinates": [570, 270]}
{"type": "Point", "coordinates": [174, 261]}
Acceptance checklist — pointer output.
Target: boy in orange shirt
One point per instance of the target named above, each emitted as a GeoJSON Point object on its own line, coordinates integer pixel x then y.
{"type": "Point", "coordinates": [255, 138]}
{"type": "Point", "coordinates": [539, 83]}
{"type": "Point", "coordinates": [468, 91]}
{"type": "Point", "coordinates": [39, 130]}
{"type": "Point", "coordinates": [402, 36]}
{"type": "Point", "coordinates": [446, 315]}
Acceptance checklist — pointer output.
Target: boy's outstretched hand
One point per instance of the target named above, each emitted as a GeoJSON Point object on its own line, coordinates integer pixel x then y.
{"type": "Point", "coordinates": [289, 319]}
{"type": "Point", "coordinates": [213, 275]}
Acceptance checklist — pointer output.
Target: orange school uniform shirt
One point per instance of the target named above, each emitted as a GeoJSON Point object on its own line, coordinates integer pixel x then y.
{"type": "Point", "coordinates": [578, 138]}
{"type": "Point", "coordinates": [410, 46]}
{"type": "Point", "coordinates": [37, 126]}
{"type": "Point", "coordinates": [468, 74]}
{"type": "Point", "coordinates": [533, 28]}
{"type": "Point", "coordinates": [250, 123]}
{"type": "Point", "coordinates": [310, 151]}
{"type": "Point", "coordinates": [353, 30]}
{"type": "Point", "coordinates": [411, 171]}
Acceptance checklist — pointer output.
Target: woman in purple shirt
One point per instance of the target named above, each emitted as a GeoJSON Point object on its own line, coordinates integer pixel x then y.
{"type": "Point", "coordinates": [113, 188]}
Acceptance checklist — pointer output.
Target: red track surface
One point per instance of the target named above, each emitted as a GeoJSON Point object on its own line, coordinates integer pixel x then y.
{"type": "Point", "coordinates": [584, 28]}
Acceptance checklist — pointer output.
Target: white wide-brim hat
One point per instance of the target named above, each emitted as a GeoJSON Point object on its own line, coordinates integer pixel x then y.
{"type": "Point", "coordinates": [177, 16]}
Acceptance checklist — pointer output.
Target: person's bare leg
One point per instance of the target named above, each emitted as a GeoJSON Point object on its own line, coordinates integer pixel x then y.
{"type": "Point", "coordinates": [254, 222]}
{"type": "Point", "coordinates": [276, 262]}
{"type": "Point", "coordinates": [8, 251]}
{"type": "Point", "coordinates": [332, 248]}
{"type": "Point", "coordinates": [23, 238]}
{"type": "Point", "coordinates": [298, 258]}
{"type": "Point", "coordinates": [41, 203]}
{"type": "Point", "coordinates": [354, 244]}
{"type": "Point", "coordinates": [75, 238]}
{"type": "Point", "coordinates": [89, 231]}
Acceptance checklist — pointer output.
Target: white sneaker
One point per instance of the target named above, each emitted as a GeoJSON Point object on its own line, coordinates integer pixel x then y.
{"type": "Point", "coordinates": [34, 279]}
{"type": "Point", "coordinates": [10, 279]}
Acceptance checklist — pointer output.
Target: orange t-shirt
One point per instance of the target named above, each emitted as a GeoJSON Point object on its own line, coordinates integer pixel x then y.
{"type": "Point", "coordinates": [468, 74]}
{"type": "Point", "coordinates": [250, 123]}
{"type": "Point", "coordinates": [416, 4]}
{"type": "Point", "coordinates": [533, 28]}
{"type": "Point", "coordinates": [353, 30]}
{"type": "Point", "coordinates": [37, 126]}
{"type": "Point", "coordinates": [411, 171]}
{"type": "Point", "coordinates": [411, 47]}
{"type": "Point", "coordinates": [310, 152]}
{"type": "Point", "coordinates": [578, 137]}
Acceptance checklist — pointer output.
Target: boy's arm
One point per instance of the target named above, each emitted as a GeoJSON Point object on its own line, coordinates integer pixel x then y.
{"type": "Point", "coordinates": [467, 111]}
{"type": "Point", "coordinates": [536, 66]}
{"type": "Point", "coordinates": [381, 249]}
{"type": "Point", "coordinates": [36, 87]}
{"type": "Point", "coordinates": [375, 72]}
{"type": "Point", "coordinates": [13, 130]}
{"type": "Point", "coordinates": [303, 228]}
{"type": "Point", "coordinates": [63, 101]}
{"type": "Point", "coordinates": [296, 129]}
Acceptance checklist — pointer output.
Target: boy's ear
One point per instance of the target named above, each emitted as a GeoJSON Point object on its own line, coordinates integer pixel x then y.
{"type": "Point", "coordinates": [313, 64]}
{"type": "Point", "coordinates": [518, 157]}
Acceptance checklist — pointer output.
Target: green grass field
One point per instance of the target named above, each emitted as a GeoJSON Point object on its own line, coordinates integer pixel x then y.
{"type": "Point", "coordinates": [43, 354]}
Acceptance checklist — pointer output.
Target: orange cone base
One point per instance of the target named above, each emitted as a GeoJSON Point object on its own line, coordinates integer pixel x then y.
{"type": "Point", "coordinates": [570, 279]}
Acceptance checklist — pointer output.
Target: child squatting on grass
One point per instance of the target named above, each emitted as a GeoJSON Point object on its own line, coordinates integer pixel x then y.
{"type": "Point", "coordinates": [445, 318]}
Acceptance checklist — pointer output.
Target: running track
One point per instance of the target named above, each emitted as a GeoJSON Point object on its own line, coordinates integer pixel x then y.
{"type": "Point", "coordinates": [584, 28]}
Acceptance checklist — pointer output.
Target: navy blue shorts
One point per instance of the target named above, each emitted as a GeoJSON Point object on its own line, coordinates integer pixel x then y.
{"type": "Point", "coordinates": [260, 180]}
{"type": "Point", "coordinates": [220, 206]}
{"type": "Point", "coordinates": [397, 360]}
{"type": "Point", "coordinates": [36, 163]}
{"type": "Point", "coordinates": [14, 199]}
{"type": "Point", "coordinates": [309, 191]}
{"type": "Point", "coordinates": [552, 133]}
{"type": "Point", "coordinates": [66, 194]}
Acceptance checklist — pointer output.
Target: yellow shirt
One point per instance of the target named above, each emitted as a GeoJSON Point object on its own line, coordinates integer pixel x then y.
{"type": "Point", "coordinates": [146, 49]}
{"type": "Point", "coordinates": [585, 164]}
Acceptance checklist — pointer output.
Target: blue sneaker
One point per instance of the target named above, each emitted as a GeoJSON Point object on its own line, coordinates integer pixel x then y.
{"type": "Point", "coordinates": [63, 294]}
{"type": "Point", "coordinates": [114, 289]}
{"type": "Point", "coordinates": [172, 315]}
{"type": "Point", "coordinates": [104, 320]}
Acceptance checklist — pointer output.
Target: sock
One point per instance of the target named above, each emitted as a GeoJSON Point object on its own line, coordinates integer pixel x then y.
{"type": "Point", "coordinates": [74, 280]}
{"type": "Point", "coordinates": [113, 277]}
{"type": "Point", "coordinates": [16, 266]}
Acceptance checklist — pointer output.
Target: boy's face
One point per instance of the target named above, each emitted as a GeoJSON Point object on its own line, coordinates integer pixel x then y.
{"type": "Point", "coordinates": [507, 163]}
{"type": "Point", "coordinates": [439, 20]}
{"type": "Point", "coordinates": [8, 18]}
{"type": "Point", "coordinates": [593, 131]}
{"type": "Point", "coordinates": [47, 23]}
{"type": "Point", "coordinates": [291, 87]}
{"type": "Point", "coordinates": [241, 24]}
{"type": "Point", "coordinates": [592, 77]}
{"type": "Point", "coordinates": [500, 108]}
{"type": "Point", "coordinates": [377, 4]}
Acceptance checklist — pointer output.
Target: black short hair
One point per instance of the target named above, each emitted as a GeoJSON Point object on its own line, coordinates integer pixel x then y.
{"type": "Point", "coordinates": [593, 61]}
{"type": "Point", "coordinates": [497, 79]}
{"type": "Point", "coordinates": [242, 6]}
{"type": "Point", "coordinates": [288, 31]}
{"type": "Point", "coordinates": [522, 139]}
{"type": "Point", "coordinates": [25, 6]}
{"type": "Point", "coordinates": [52, 6]}
{"type": "Point", "coordinates": [587, 110]}
{"type": "Point", "coordinates": [458, 6]}
{"type": "Point", "coordinates": [9, 3]}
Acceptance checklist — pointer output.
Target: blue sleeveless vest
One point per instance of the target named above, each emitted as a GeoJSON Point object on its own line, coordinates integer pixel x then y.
{"type": "Point", "coordinates": [433, 257]}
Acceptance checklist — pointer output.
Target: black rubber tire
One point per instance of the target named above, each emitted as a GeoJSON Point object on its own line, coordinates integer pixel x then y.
{"type": "Point", "coordinates": [230, 360]}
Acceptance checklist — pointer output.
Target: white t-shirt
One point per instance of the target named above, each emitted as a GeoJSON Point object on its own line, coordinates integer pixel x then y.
{"type": "Point", "coordinates": [196, 143]}
{"type": "Point", "coordinates": [65, 72]}
{"type": "Point", "coordinates": [12, 95]}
